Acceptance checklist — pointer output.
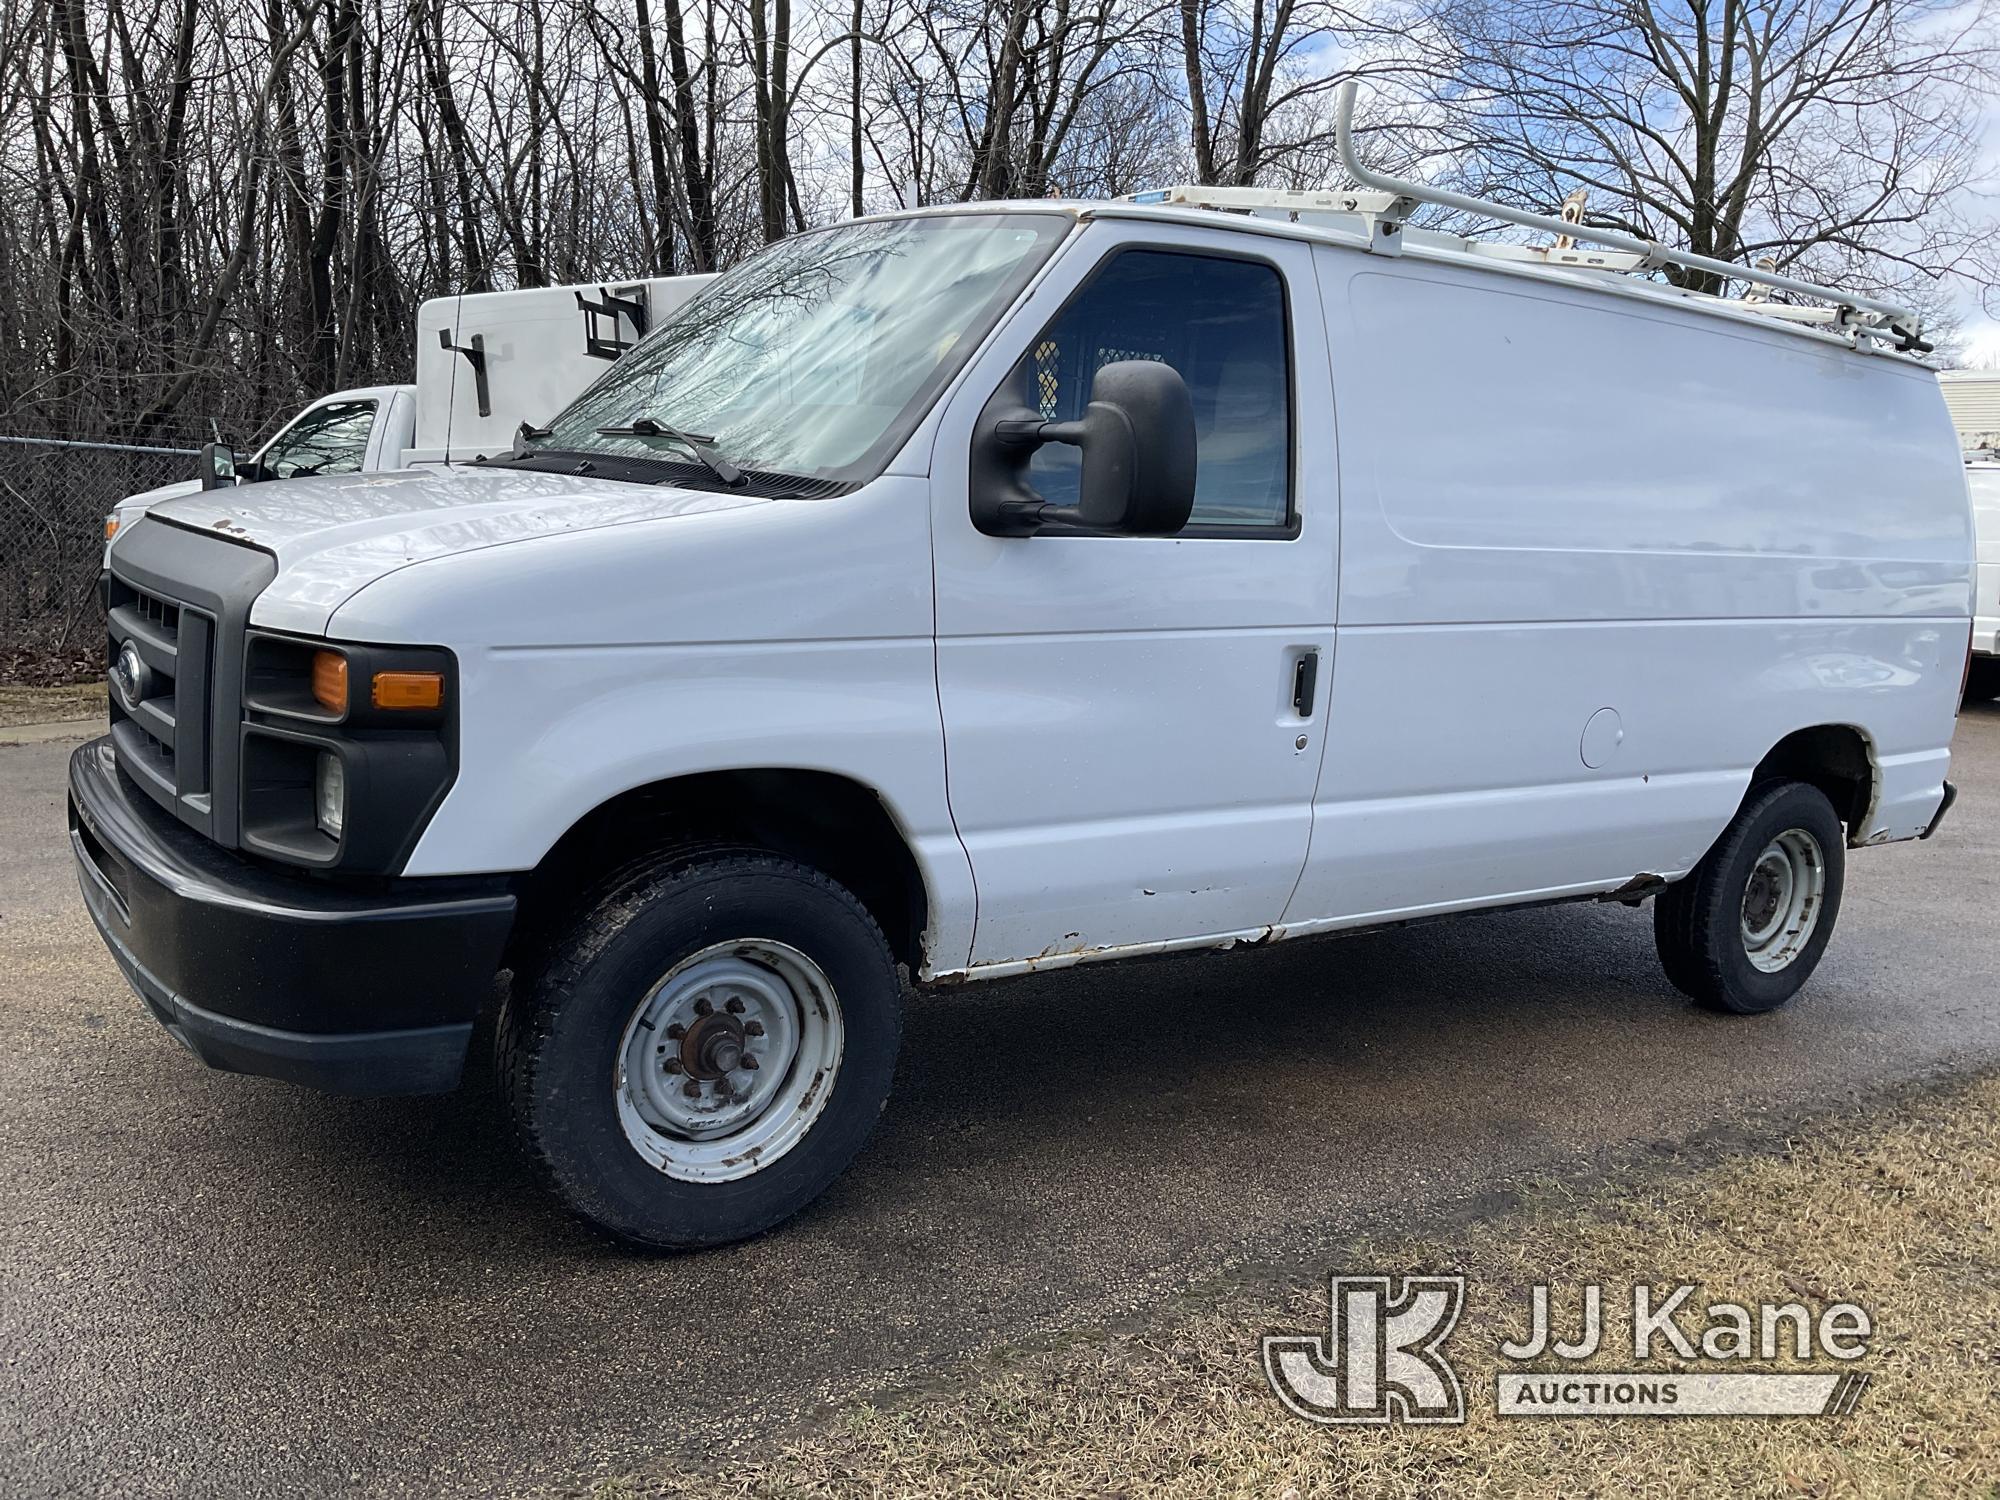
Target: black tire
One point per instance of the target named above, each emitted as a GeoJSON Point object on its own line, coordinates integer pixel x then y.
{"type": "Point", "coordinates": [560, 1033]}
{"type": "Point", "coordinates": [1698, 921]}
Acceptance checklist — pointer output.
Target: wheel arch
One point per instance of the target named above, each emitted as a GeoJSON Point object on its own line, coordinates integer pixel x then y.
{"type": "Point", "coordinates": [1839, 759]}
{"type": "Point", "coordinates": [832, 822]}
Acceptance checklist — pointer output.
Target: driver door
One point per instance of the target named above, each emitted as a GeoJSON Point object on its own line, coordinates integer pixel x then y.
{"type": "Point", "coordinates": [1132, 724]}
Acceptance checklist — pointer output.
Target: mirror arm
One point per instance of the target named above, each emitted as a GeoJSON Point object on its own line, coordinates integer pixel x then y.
{"type": "Point", "coordinates": [1022, 435]}
{"type": "Point", "coordinates": [1013, 508]}
{"type": "Point", "coordinates": [1030, 433]}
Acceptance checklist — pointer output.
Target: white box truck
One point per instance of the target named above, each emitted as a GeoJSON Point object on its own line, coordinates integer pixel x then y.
{"type": "Point", "coordinates": [970, 592]}
{"type": "Point", "coordinates": [485, 363]}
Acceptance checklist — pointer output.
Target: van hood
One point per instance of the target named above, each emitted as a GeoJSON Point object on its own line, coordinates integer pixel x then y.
{"type": "Point", "coordinates": [333, 535]}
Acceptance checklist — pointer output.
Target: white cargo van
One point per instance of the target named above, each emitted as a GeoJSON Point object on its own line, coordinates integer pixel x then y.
{"type": "Point", "coordinates": [985, 590]}
{"type": "Point", "coordinates": [485, 363]}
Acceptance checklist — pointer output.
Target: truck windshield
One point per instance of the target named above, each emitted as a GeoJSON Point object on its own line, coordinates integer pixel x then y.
{"type": "Point", "coordinates": [817, 357]}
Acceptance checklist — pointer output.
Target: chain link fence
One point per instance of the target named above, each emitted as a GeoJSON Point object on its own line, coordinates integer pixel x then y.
{"type": "Point", "coordinates": [54, 495]}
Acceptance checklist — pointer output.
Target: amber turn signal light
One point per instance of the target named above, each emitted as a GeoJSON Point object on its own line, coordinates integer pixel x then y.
{"type": "Point", "coordinates": [329, 681]}
{"type": "Point", "coordinates": [408, 689]}
{"type": "Point", "coordinates": [110, 527]}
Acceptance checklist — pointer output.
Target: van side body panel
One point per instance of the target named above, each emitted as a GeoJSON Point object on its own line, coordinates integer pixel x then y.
{"type": "Point", "coordinates": [1563, 642]}
{"type": "Point", "coordinates": [1597, 559]}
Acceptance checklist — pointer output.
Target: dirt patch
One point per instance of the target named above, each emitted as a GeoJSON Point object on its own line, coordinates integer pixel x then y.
{"type": "Point", "coordinates": [1897, 1209]}
{"type": "Point", "coordinates": [50, 705]}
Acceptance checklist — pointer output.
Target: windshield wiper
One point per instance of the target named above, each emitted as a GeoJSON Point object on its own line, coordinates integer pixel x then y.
{"type": "Point", "coordinates": [695, 442]}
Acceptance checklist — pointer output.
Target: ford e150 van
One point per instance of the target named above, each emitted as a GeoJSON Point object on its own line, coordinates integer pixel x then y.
{"type": "Point", "coordinates": [966, 593]}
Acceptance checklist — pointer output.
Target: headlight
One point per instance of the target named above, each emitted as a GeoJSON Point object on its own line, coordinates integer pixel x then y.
{"type": "Point", "coordinates": [348, 747]}
{"type": "Point", "coordinates": [330, 794]}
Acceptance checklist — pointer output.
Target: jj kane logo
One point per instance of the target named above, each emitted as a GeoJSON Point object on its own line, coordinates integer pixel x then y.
{"type": "Point", "coordinates": [1383, 1357]}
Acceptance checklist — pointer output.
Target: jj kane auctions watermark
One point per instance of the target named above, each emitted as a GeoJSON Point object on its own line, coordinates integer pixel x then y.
{"type": "Point", "coordinates": [1383, 1358]}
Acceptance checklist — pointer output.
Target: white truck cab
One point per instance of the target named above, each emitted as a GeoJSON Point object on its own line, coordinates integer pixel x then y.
{"type": "Point", "coordinates": [358, 431]}
{"type": "Point", "coordinates": [964, 593]}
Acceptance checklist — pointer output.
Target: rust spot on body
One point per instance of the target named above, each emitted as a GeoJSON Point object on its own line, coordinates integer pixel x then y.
{"type": "Point", "coordinates": [1637, 889]}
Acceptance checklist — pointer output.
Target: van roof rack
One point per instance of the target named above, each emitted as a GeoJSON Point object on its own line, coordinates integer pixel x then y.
{"type": "Point", "coordinates": [1381, 205]}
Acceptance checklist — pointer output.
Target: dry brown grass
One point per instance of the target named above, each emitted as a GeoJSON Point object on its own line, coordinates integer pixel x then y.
{"type": "Point", "coordinates": [1896, 1210]}
{"type": "Point", "coordinates": [49, 705]}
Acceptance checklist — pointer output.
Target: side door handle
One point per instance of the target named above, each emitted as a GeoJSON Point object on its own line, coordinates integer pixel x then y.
{"type": "Point", "coordinates": [1305, 678]}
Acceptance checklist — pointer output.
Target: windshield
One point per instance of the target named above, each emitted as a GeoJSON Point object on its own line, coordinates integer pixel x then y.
{"type": "Point", "coordinates": [817, 357]}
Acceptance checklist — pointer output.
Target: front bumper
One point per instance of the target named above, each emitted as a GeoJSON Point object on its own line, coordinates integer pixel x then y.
{"type": "Point", "coordinates": [280, 975]}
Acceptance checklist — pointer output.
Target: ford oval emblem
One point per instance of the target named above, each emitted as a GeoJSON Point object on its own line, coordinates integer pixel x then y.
{"type": "Point", "coordinates": [131, 678]}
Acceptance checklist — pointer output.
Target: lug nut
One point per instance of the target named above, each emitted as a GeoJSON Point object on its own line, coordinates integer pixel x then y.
{"type": "Point", "coordinates": [749, 1061]}
{"type": "Point", "coordinates": [673, 1065]}
{"type": "Point", "coordinates": [676, 1032]}
{"type": "Point", "coordinates": [755, 1028]}
{"type": "Point", "coordinates": [691, 1089]}
{"type": "Point", "coordinates": [703, 1008]}
{"type": "Point", "coordinates": [734, 1007]}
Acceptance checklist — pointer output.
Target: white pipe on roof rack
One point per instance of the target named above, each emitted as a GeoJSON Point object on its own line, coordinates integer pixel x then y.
{"type": "Point", "coordinates": [1904, 318]}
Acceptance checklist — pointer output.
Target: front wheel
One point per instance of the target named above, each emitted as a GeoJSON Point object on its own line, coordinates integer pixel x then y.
{"type": "Point", "coordinates": [1745, 929]}
{"type": "Point", "coordinates": [705, 1049]}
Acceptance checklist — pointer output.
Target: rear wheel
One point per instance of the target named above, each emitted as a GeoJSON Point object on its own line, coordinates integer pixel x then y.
{"type": "Point", "coordinates": [1746, 928]}
{"type": "Point", "coordinates": [705, 1049]}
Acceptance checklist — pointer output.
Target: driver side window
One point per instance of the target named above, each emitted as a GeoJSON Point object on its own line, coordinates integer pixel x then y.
{"type": "Point", "coordinates": [1222, 323]}
{"type": "Point", "coordinates": [330, 439]}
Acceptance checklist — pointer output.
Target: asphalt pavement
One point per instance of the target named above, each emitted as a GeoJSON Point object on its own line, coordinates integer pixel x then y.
{"type": "Point", "coordinates": [218, 1286]}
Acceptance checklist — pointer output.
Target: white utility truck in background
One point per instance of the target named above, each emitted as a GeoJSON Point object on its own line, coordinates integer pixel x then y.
{"type": "Point", "coordinates": [485, 363]}
{"type": "Point", "coordinates": [976, 591]}
{"type": "Point", "coordinates": [1982, 473]}
{"type": "Point", "coordinates": [1973, 398]}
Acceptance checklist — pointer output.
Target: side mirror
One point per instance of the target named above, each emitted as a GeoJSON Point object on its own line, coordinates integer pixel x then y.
{"type": "Point", "coordinates": [217, 465]}
{"type": "Point", "coordinates": [1138, 457]}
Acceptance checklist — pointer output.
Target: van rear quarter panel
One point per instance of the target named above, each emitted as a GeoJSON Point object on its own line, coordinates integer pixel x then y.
{"type": "Point", "coordinates": [1559, 501]}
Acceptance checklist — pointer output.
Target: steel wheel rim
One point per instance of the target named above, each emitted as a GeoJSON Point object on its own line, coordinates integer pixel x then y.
{"type": "Point", "coordinates": [1782, 900]}
{"type": "Point", "coordinates": [729, 1060]}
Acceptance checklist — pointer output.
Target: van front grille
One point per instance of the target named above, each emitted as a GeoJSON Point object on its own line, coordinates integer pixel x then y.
{"type": "Point", "coordinates": [160, 696]}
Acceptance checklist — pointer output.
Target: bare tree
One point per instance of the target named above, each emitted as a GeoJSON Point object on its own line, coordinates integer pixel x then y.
{"type": "Point", "coordinates": [1831, 136]}
{"type": "Point", "coordinates": [213, 211]}
{"type": "Point", "coordinates": [1247, 67]}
